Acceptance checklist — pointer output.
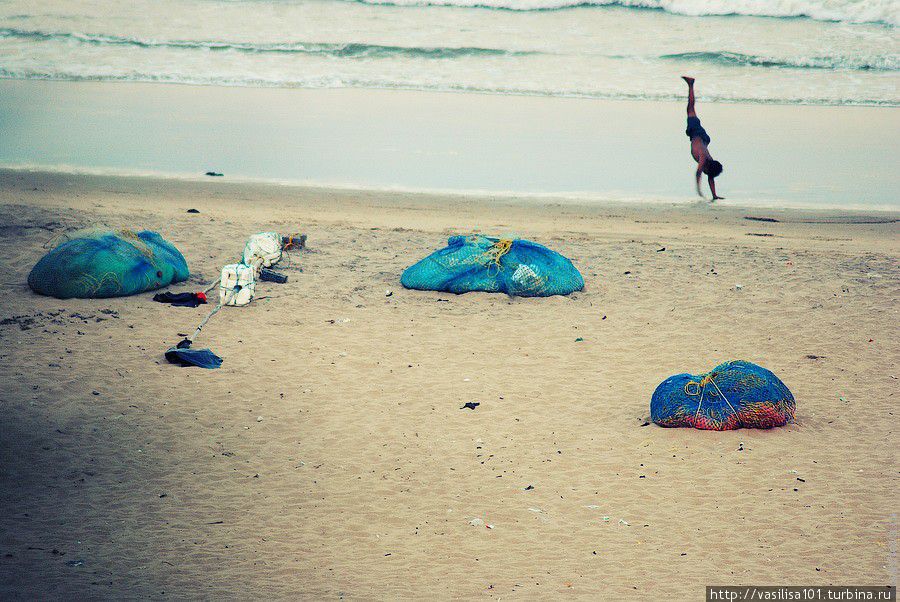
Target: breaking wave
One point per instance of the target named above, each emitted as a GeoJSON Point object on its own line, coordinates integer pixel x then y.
{"type": "Point", "coordinates": [850, 11]}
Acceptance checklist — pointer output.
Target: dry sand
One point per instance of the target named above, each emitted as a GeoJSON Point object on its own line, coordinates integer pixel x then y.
{"type": "Point", "coordinates": [329, 457]}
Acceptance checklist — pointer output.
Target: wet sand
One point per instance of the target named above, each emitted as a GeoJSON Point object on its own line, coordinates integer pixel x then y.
{"type": "Point", "coordinates": [774, 155]}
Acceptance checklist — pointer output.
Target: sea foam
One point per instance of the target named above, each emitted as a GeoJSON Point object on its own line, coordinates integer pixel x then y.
{"type": "Point", "coordinates": [851, 11]}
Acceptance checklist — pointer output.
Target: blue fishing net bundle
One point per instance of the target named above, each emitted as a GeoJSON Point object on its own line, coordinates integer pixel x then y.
{"type": "Point", "coordinates": [106, 263]}
{"type": "Point", "coordinates": [479, 263]}
{"type": "Point", "coordinates": [732, 395]}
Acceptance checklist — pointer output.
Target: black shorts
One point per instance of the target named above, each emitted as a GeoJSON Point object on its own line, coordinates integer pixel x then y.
{"type": "Point", "coordinates": [695, 130]}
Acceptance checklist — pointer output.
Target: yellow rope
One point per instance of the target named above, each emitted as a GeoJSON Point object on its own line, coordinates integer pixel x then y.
{"type": "Point", "coordinates": [698, 386]}
{"type": "Point", "coordinates": [124, 233]}
{"type": "Point", "coordinates": [136, 241]}
{"type": "Point", "coordinates": [495, 252]}
{"type": "Point", "coordinates": [700, 389]}
{"type": "Point", "coordinates": [91, 285]}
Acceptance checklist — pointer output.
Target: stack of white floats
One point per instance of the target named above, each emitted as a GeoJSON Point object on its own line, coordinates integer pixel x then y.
{"type": "Point", "coordinates": [238, 283]}
{"type": "Point", "coordinates": [264, 247]}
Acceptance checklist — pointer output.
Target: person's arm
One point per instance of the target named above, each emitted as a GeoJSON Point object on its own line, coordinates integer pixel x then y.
{"type": "Point", "coordinates": [712, 188]}
{"type": "Point", "coordinates": [697, 177]}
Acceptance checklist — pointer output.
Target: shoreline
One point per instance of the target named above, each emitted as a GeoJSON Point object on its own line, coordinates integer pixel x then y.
{"type": "Point", "coordinates": [586, 199]}
{"type": "Point", "coordinates": [871, 104]}
{"type": "Point", "coordinates": [22, 179]}
{"type": "Point", "coordinates": [775, 155]}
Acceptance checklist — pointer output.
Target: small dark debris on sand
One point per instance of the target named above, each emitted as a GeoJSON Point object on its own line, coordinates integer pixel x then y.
{"type": "Point", "coordinates": [193, 211]}
{"type": "Point", "coordinates": [27, 322]}
{"type": "Point", "coordinates": [470, 405]}
{"type": "Point", "coordinates": [294, 242]}
{"type": "Point", "coordinates": [24, 322]}
{"type": "Point", "coordinates": [759, 234]}
{"type": "Point", "coordinates": [810, 356]}
{"type": "Point", "coordinates": [841, 219]}
{"type": "Point", "coordinates": [214, 174]}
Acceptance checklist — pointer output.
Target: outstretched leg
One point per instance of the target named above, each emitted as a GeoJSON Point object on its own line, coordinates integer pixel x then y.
{"type": "Point", "coordinates": [690, 105]}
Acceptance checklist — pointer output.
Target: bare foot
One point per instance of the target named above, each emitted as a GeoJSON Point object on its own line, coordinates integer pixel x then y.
{"type": "Point", "coordinates": [689, 80]}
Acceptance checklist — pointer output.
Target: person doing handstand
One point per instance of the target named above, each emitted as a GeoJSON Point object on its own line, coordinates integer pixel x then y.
{"type": "Point", "coordinates": [699, 145]}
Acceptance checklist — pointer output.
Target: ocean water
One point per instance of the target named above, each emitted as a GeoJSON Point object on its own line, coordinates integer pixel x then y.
{"type": "Point", "coordinates": [829, 52]}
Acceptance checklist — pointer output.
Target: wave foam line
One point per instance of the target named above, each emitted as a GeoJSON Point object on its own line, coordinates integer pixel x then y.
{"type": "Point", "coordinates": [888, 62]}
{"type": "Point", "coordinates": [851, 11]}
{"type": "Point", "coordinates": [377, 84]}
{"type": "Point", "coordinates": [352, 50]}
{"type": "Point", "coordinates": [339, 50]}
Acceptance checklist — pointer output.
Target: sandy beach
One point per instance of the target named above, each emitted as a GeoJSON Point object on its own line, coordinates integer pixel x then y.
{"type": "Point", "coordinates": [329, 458]}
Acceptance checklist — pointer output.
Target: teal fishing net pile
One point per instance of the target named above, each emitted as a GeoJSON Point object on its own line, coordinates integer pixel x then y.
{"type": "Point", "coordinates": [479, 263]}
{"type": "Point", "coordinates": [105, 263]}
{"type": "Point", "coordinates": [732, 395]}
